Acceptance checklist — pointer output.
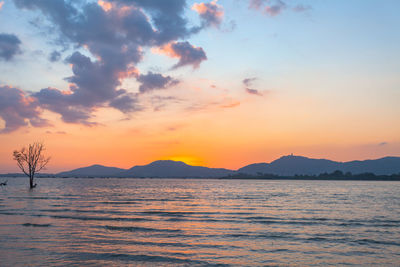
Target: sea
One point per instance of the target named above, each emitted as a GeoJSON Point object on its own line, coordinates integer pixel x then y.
{"type": "Point", "coordinates": [199, 222]}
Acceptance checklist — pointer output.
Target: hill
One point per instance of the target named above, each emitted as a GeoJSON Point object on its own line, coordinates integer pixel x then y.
{"type": "Point", "coordinates": [92, 171]}
{"type": "Point", "coordinates": [174, 169]}
{"type": "Point", "coordinates": [292, 165]}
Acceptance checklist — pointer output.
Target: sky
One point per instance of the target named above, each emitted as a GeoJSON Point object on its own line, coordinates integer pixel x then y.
{"type": "Point", "coordinates": [215, 83]}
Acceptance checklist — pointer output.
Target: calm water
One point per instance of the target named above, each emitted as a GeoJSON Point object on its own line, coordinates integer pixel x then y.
{"type": "Point", "coordinates": [199, 222]}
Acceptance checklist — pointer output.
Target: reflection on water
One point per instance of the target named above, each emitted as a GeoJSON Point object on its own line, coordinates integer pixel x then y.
{"type": "Point", "coordinates": [199, 222]}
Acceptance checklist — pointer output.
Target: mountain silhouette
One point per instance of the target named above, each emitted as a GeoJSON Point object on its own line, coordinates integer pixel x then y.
{"type": "Point", "coordinates": [284, 166]}
{"type": "Point", "coordinates": [292, 165]}
{"type": "Point", "coordinates": [92, 171]}
{"type": "Point", "coordinates": [174, 169]}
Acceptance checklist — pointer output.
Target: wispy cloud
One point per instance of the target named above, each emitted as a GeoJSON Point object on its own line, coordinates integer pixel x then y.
{"type": "Point", "coordinates": [248, 82]}
{"type": "Point", "coordinates": [273, 8]}
{"type": "Point", "coordinates": [302, 8]}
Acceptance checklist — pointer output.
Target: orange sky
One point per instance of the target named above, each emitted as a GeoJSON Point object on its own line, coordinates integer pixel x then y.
{"type": "Point", "coordinates": [258, 130]}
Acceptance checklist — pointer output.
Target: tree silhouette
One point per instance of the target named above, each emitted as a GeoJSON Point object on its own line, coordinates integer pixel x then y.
{"type": "Point", "coordinates": [31, 160]}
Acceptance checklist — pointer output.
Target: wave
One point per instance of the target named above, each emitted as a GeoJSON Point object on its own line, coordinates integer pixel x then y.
{"type": "Point", "coordinates": [140, 229]}
{"type": "Point", "coordinates": [97, 218]}
{"type": "Point", "coordinates": [141, 258]}
{"type": "Point", "coordinates": [36, 225]}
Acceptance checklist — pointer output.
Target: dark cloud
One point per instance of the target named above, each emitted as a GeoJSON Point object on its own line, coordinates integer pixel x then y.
{"type": "Point", "coordinates": [248, 81]}
{"type": "Point", "coordinates": [63, 103]}
{"type": "Point", "coordinates": [210, 13]}
{"type": "Point", "coordinates": [114, 33]}
{"type": "Point", "coordinates": [9, 46]}
{"type": "Point", "coordinates": [382, 144]}
{"type": "Point", "coordinates": [152, 81]}
{"type": "Point", "coordinates": [253, 92]}
{"type": "Point", "coordinates": [126, 103]}
{"type": "Point", "coordinates": [17, 110]}
{"type": "Point", "coordinates": [55, 56]}
{"type": "Point", "coordinates": [275, 8]}
{"type": "Point", "coordinates": [187, 54]}
{"type": "Point", "coordinates": [167, 17]}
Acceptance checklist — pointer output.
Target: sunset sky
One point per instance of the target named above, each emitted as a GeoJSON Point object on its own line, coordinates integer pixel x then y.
{"type": "Point", "coordinates": [216, 83]}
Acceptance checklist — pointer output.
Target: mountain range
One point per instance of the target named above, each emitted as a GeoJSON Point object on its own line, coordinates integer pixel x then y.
{"type": "Point", "coordinates": [284, 166]}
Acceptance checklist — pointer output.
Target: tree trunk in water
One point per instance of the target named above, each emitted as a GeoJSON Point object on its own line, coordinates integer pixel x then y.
{"type": "Point", "coordinates": [31, 182]}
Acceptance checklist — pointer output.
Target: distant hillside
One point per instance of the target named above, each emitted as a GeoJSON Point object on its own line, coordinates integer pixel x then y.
{"type": "Point", "coordinates": [174, 169]}
{"type": "Point", "coordinates": [291, 165]}
{"type": "Point", "coordinates": [92, 171]}
{"type": "Point", "coordinates": [284, 166]}
{"type": "Point", "coordinates": [387, 165]}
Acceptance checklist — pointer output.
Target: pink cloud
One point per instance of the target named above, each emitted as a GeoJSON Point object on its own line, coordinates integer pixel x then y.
{"type": "Point", "coordinates": [188, 54]}
{"type": "Point", "coordinates": [210, 13]}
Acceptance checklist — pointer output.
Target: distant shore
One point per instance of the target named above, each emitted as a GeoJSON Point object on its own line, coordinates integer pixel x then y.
{"type": "Point", "coordinates": [321, 177]}
{"type": "Point", "coordinates": [336, 175]}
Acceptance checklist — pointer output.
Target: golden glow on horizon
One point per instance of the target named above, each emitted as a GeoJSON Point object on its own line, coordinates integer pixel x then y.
{"type": "Point", "coordinates": [190, 160]}
{"type": "Point", "coordinates": [260, 129]}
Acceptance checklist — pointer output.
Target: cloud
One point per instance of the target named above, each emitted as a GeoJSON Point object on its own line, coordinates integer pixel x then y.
{"type": "Point", "coordinates": [253, 92]}
{"type": "Point", "coordinates": [231, 105]}
{"type": "Point", "coordinates": [57, 132]}
{"type": "Point", "coordinates": [1, 4]}
{"type": "Point", "coordinates": [383, 144]}
{"type": "Point", "coordinates": [247, 82]}
{"type": "Point", "coordinates": [256, 4]}
{"type": "Point", "coordinates": [9, 46]}
{"type": "Point", "coordinates": [126, 103]}
{"type": "Point", "coordinates": [302, 8]}
{"type": "Point", "coordinates": [114, 32]}
{"type": "Point", "coordinates": [211, 13]}
{"type": "Point", "coordinates": [167, 17]}
{"type": "Point", "coordinates": [63, 103]}
{"type": "Point", "coordinates": [152, 81]}
{"type": "Point", "coordinates": [55, 56]}
{"type": "Point", "coordinates": [18, 110]}
{"type": "Point", "coordinates": [187, 54]}
{"type": "Point", "coordinates": [275, 9]}
{"type": "Point", "coordinates": [160, 102]}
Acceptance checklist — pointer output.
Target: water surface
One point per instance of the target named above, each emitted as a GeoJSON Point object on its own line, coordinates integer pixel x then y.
{"type": "Point", "coordinates": [185, 222]}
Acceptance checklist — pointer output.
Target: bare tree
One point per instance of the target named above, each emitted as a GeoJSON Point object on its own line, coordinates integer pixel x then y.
{"type": "Point", "coordinates": [31, 160]}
